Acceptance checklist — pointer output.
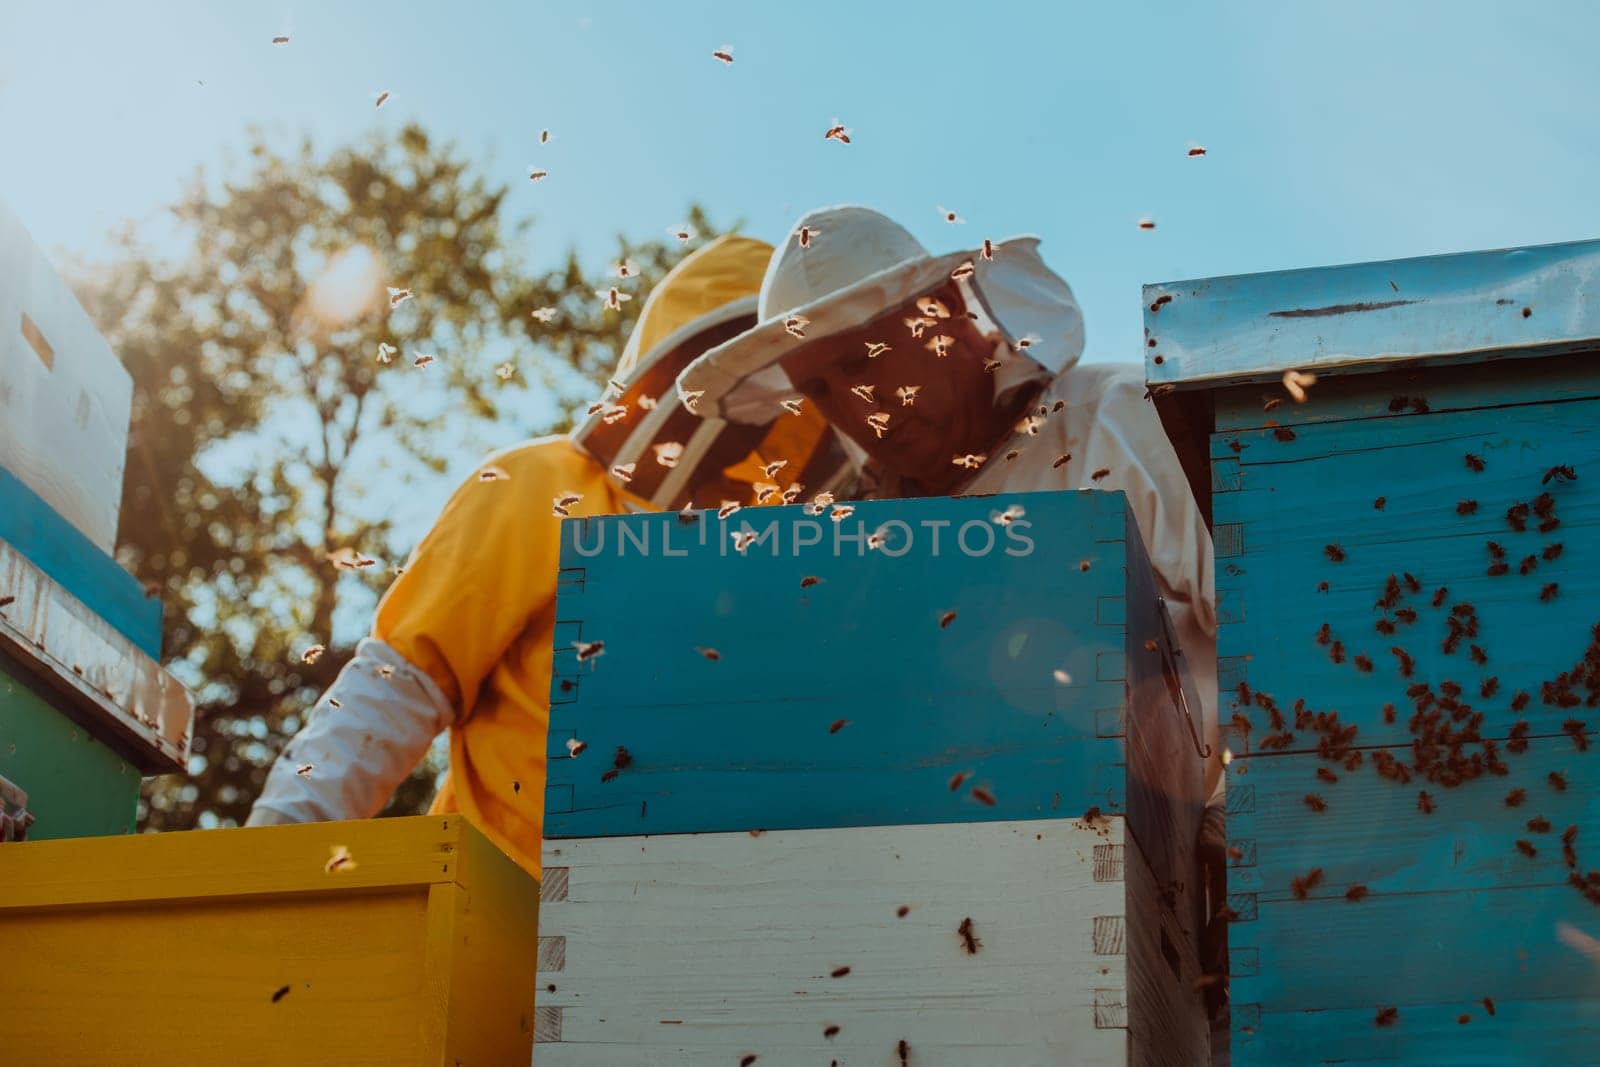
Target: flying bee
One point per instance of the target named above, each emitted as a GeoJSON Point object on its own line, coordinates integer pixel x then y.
{"type": "Point", "coordinates": [940, 345]}
{"type": "Point", "coordinates": [281, 39]}
{"type": "Point", "coordinates": [842, 512]}
{"type": "Point", "coordinates": [988, 249]}
{"type": "Point", "coordinates": [965, 269]}
{"type": "Point", "coordinates": [575, 748]}
{"type": "Point", "coordinates": [723, 55]}
{"type": "Point", "coordinates": [951, 217]}
{"type": "Point", "coordinates": [1099, 474]}
{"type": "Point", "coordinates": [624, 268]}
{"type": "Point", "coordinates": [612, 298]}
{"type": "Point", "coordinates": [492, 473]}
{"type": "Point", "coordinates": [668, 453]}
{"type": "Point", "coordinates": [791, 494]}
{"type": "Point", "coordinates": [1061, 461]}
{"type": "Point", "coordinates": [1315, 803]}
{"type": "Point", "coordinates": [946, 619]}
{"type": "Point", "coordinates": [1525, 847]}
{"type": "Point", "coordinates": [1548, 593]}
{"type": "Point", "coordinates": [983, 796]}
{"type": "Point", "coordinates": [765, 491]}
{"type": "Point", "coordinates": [1466, 507]}
{"type": "Point", "coordinates": [796, 325]}
{"type": "Point", "coordinates": [544, 314]}
{"type": "Point", "coordinates": [386, 352]}
{"type": "Point", "coordinates": [742, 540]}
{"type": "Point", "coordinates": [563, 503]}
{"type": "Point", "coordinates": [876, 349]}
{"type": "Point", "coordinates": [969, 461]}
{"type": "Point", "coordinates": [1296, 382]}
{"type": "Point", "coordinates": [792, 405]}
{"type": "Point", "coordinates": [1334, 553]}
{"type": "Point", "coordinates": [537, 175]}
{"type": "Point", "coordinates": [908, 394]}
{"type": "Point", "coordinates": [614, 413]}
{"type": "Point", "coordinates": [837, 132]}
{"type": "Point", "coordinates": [398, 297]}
{"type": "Point", "coordinates": [728, 508]}
{"type": "Point", "coordinates": [1387, 1016]}
{"type": "Point", "coordinates": [864, 392]}
{"type": "Point", "coordinates": [1147, 223]}
{"type": "Point", "coordinates": [804, 235]}
{"type": "Point", "coordinates": [339, 860]}
{"type": "Point", "coordinates": [588, 650]}
{"type": "Point", "coordinates": [709, 653]}
{"type": "Point", "coordinates": [312, 654]}
{"type": "Point", "coordinates": [958, 779]}
{"type": "Point", "coordinates": [305, 769]}
{"type": "Point", "coordinates": [1355, 892]}
{"type": "Point", "coordinates": [504, 371]}
{"type": "Point", "coordinates": [1474, 463]}
{"type": "Point", "coordinates": [623, 472]}
{"type": "Point", "coordinates": [383, 98]}
{"type": "Point", "coordinates": [683, 232]}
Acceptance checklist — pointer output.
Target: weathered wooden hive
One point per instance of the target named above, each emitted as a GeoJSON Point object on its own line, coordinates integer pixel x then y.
{"type": "Point", "coordinates": [1408, 646]}
{"type": "Point", "coordinates": [85, 707]}
{"type": "Point", "coordinates": [931, 802]}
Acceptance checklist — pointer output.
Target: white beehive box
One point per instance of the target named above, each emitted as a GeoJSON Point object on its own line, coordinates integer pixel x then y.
{"type": "Point", "coordinates": [805, 946]}
{"type": "Point", "coordinates": [65, 398]}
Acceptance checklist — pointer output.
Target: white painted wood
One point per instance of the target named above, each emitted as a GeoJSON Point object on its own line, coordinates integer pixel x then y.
{"type": "Point", "coordinates": [703, 948]}
{"type": "Point", "coordinates": [63, 426]}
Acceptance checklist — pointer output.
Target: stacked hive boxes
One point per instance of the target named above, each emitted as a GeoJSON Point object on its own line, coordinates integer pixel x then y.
{"type": "Point", "coordinates": [932, 801]}
{"type": "Point", "coordinates": [1408, 648]}
{"type": "Point", "coordinates": [84, 706]}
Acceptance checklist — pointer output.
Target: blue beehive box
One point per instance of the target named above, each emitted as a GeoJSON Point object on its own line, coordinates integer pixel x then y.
{"type": "Point", "coordinates": [825, 781]}
{"type": "Point", "coordinates": [1407, 647]}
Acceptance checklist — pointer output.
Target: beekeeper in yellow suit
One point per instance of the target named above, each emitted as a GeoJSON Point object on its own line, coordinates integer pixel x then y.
{"type": "Point", "coordinates": [462, 639]}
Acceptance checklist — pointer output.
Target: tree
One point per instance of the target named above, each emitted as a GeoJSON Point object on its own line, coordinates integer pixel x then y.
{"type": "Point", "coordinates": [268, 438]}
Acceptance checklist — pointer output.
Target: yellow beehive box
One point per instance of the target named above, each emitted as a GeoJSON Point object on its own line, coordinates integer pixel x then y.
{"type": "Point", "coordinates": [242, 947]}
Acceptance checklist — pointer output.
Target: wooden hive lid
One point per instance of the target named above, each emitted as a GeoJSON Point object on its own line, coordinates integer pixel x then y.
{"type": "Point", "coordinates": [1464, 307]}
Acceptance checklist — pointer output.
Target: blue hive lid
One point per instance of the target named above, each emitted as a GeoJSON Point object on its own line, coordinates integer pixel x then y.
{"type": "Point", "coordinates": [1464, 307]}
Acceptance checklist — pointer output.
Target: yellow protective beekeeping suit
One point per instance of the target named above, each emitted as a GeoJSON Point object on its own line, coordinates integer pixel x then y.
{"type": "Point", "coordinates": [475, 606]}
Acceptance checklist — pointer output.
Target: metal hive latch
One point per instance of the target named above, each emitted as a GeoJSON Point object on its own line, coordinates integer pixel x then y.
{"type": "Point", "coordinates": [1179, 685]}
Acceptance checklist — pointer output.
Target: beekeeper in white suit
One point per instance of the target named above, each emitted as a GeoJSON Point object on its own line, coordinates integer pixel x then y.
{"type": "Point", "coordinates": [958, 374]}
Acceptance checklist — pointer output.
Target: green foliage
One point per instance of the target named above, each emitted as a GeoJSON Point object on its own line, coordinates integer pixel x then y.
{"type": "Point", "coordinates": [266, 435]}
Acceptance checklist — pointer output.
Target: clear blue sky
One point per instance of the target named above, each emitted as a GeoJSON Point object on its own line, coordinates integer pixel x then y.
{"type": "Point", "coordinates": [1336, 132]}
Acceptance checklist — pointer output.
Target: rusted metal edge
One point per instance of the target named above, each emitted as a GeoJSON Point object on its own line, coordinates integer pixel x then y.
{"type": "Point", "coordinates": [105, 683]}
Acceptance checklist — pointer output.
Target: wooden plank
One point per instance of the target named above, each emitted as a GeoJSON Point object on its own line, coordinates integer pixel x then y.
{"type": "Point", "coordinates": [1301, 496]}
{"type": "Point", "coordinates": [72, 560]}
{"type": "Point", "coordinates": [1457, 947]}
{"type": "Point", "coordinates": [1167, 1022]}
{"type": "Point", "coordinates": [1336, 397]}
{"type": "Point", "coordinates": [917, 702]}
{"type": "Point", "coordinates": [420, 850]}
{"type": "Point", "coordinates": [703, 948]}
{"type": "Point", "coordinates": [1373, 833]}
{"type": "Point", "coordinates": [1556, 1031]}
{"type": "Point", "coordinates": [63, 415]}
{"type": "Point", "coordinates": [122, 985]}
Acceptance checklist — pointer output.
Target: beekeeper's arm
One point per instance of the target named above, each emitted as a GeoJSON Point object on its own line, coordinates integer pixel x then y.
{"type": "Point", "coordinates": [463, 597]}
{"type": "Point", "coordinates": [1126, 437]}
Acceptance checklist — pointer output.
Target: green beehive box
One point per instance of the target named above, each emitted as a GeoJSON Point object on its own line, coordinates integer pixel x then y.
{"type": "Point", "coordinates": [84, 712]}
